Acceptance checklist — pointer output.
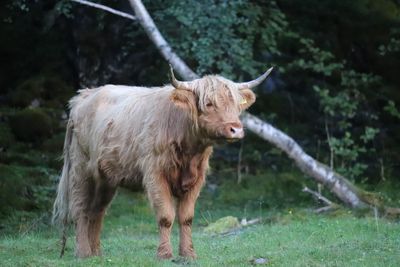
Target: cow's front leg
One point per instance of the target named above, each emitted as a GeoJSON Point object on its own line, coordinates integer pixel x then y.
{"type": "Point", "coordinates": [164, 206]}
{"type": "Point", "coordinates": [185, 215]}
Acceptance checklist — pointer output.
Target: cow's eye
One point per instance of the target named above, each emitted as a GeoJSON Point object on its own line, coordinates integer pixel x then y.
{"type": "Point", "coordinates": [209, 104]}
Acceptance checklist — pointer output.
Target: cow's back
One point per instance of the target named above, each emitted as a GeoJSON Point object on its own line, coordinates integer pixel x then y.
{"type": "Point", "coordinates": [114, 123]}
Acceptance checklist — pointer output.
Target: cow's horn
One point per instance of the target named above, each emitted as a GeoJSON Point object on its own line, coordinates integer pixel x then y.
{"type": "Point", "coordinates": [178, 84]}
{"type": "Point", "coordinates": [254, 83]}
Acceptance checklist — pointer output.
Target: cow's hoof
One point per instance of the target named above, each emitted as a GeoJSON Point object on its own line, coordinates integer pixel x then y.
{"type": "Point", "coordinates": [81, 254]}
{"type": "Point", "coordinates": [164, 256]}
{"type": "Point", "coordinates": [164, 253]}
{"type": "Point", "coordinates": [189, 254]}
{"type": "Point", "coordinates": [97, 252]}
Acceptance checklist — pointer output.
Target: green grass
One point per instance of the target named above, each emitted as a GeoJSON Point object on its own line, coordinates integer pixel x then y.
{"type": "Point", "coordinates": [290, 238]}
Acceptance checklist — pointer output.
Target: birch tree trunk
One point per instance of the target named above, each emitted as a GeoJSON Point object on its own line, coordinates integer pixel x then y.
{"type": "Point", "coordinates": [340, 186]}
{"type": "Point", "coordinates": [347, 192]}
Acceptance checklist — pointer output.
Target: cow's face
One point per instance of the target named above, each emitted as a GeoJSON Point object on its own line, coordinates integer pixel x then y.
{"type": "Point", "coordinates": [219, 118]}
{"type": "Point", "coordinates": [216, 109]}
{"type": "Point", "coordinates": [215, 104]}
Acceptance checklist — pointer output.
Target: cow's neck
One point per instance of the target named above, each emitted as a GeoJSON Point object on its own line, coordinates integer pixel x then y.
{"type": "Point", "coordinates": [178, 130]}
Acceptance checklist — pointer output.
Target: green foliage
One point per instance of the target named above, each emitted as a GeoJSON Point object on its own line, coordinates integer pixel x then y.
{"type": "Point", "coordinates": [393, 45]}
{"type": "Point", "coordinates": [341, 104]}
{"type": "Point", "coordinates": [220, 36]}
{"type": "Point", "coordinates": [31, 125]}
{"type": "Point", "coordinates": [64, 7]}
{"type": "Point", "coordinates": [313, 58]}
{"type": "Point", "coordinates": [340, 111]}
{"type": "Point", "coordinates": [12, 186]}
{"type": "Point", "coordinates": [349, 152]}
{"type": "Point", "coordinates": [48, 90]}
{"type": "Point", "coordinates": [24, 188]}
{"type": "Point", "coordinates": [342, 98]}
{"type": "Point", "coordinates": [22, 5]}
{"type": "Point", "coordinates": [54, 144]}
{"type": "Point", "coordinates": [26, 92]}
{"type": "Point", "coordinates": [392, 109]}
{"type": "Point", "coordinates": [6, 136]}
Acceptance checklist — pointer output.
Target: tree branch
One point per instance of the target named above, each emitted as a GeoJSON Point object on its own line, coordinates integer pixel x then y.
{"type": "Point", "coordinates": [105, 8]}
{"type": "Point", "coordinates": [318, 196]}
{"type": "Point", "coordinates": [329, 204]}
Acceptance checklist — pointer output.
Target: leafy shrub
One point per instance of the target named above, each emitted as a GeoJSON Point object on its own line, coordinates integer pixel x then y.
{"type": "Point", "coordinates": [24, 188]}
{"type": "Point", "coordinates": [6, 136]}
{"type": "Point", "coordinates": [11, 185]}
{"type": "Point", "coordinates": [31, 125]}
{"type": "Point", "coordinates": [50, 90]}
{"type": "Point", "coordinates": [54, 144]}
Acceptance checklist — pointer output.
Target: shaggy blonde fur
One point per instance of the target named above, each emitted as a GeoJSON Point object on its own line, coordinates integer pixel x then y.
{"type": "Point", "coordinates": [160, 138]}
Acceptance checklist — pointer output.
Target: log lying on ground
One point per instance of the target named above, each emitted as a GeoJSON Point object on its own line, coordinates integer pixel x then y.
{"type": "Point", "coordinates": [340, 186]}
{"type": "Point", "coordinates": [347, 192]}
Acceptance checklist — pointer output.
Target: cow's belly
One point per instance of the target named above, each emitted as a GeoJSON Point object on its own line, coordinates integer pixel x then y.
{"type": "Point", "coordinates": [133, 183]}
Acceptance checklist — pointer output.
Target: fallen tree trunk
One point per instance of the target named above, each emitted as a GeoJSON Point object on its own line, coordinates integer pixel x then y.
{"type": "Point", "coordinates": [347, 192]}
{"type": "Point", "coordinates": [340, 186]}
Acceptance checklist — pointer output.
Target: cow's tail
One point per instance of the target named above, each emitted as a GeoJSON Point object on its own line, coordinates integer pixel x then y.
{"type": "Point", "coordinates": [61, 204]}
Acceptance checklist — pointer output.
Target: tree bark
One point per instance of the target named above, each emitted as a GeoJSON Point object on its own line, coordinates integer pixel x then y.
{"type": "Point", "coordinates": [340, 186]}
{"type": "Point", "coordinates": [105, 8]}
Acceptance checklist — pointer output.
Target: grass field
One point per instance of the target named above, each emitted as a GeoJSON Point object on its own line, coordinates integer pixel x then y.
{"type": "Point", "coordinates": [287, 238]}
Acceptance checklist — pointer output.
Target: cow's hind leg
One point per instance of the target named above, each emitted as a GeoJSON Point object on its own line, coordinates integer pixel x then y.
{"type": "Point", "coordinates": [83, 249]}
{"type": "Point", "coordinates": [102, 197]}
{"type": "Point", "coordinates": [162, 201]}
{"type": "Point", "coordinates": [80, 197]}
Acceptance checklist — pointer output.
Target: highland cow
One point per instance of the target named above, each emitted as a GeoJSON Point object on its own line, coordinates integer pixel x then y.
{"type": "Point", "coordinates": [160, 138]}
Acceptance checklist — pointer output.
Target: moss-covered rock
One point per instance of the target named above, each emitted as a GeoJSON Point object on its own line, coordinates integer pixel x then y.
{"type": "Point", "coordinates": [31, 125]}
{"type": "Point", "coordinates": [223, 225]}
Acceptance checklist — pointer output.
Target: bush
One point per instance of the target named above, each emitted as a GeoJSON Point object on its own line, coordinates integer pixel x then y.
{"type": "Point", "coordinates": [6, 136]}
{"type": "Point", "coordinates": [50, 90]}
{"type": "Point", "coordinates": [54, 144]}
{"type": "Point", "coordinates": [31, 125]}
{"type": "Point", "coordinates": [12, 183]}
{"type": "Point", "coordinates": [24, 188]}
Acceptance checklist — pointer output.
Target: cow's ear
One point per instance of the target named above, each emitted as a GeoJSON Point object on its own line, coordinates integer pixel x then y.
{"type": "Point", "coordinates": [248, 98]}
{"type": "Point", "coordinates": [184, 99]}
